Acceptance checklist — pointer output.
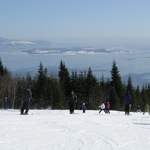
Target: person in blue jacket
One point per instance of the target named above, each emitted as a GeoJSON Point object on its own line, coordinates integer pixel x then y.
{"type": "Point", "coordinates": [127, 102]}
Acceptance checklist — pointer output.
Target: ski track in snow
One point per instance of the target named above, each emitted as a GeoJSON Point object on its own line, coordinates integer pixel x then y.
{"type": "Point", "coordinates": [59, 130]}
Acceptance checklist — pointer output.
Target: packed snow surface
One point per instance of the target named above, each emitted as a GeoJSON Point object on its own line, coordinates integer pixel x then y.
{"type": "Point", "coordinates": [59, 130]}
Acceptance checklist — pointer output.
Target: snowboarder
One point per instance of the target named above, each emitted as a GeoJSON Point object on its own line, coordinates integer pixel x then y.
{"type": "Point", "coordinates": [128, 102]}
{"type": "Point", "coordinates": [26, 98]}
{"type": "Point", "coordinates": [107, 107]}
{"type": "Point", "coordinates": [5, 103]}
{"type": "Point", "coordinates": [83, 107]}
{"type": "Point", "coordinates": [102, 107]}
{"type": "Point", "coordinates": [146, 109]}
{"type": "Point", "coordinates": [72, 100]}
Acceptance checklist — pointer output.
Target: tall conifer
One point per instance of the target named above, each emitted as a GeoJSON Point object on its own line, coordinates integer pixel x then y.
{"type": "Point", "coordinates": [117, 90]}
{"type": "Point", "coordinates": [64, 79]}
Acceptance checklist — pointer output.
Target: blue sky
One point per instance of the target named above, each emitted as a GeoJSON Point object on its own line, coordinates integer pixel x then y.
{"type": "Point", "coordinates": [95, 21]}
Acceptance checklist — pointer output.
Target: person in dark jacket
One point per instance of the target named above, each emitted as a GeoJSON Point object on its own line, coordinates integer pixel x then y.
{"type": "Point", "coordinates": [72, 100]}
{"type": "Point", "coordinates": [5, 103]}
{"type": "Point", "coordinates": [83, 107]}
{"type": "Point", "coordinates": [128, 102]}
{"type": "Point", "coordinates": [26, 98]}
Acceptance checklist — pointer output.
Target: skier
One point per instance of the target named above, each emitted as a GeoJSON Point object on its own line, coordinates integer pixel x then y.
{"type": "Point", "coordinates": [72, 100]}
{"type": "Point", "coordinates": [5, 103]}
{"type": "Point", "coordinates": [26, 98]}
{"type": "Point", "coordinates": [128, 102]}
{"type": "Point", "coordinates": [102, 107]}
{"type": "Point", "coordinates": [146, 109]}
{"type": "Point", "coordinates": [83, 107]}
{"type": "Point", "coordinates": [107, 107]}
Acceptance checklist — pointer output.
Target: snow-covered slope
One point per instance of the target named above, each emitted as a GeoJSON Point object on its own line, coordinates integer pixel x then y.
{"type": "Point", "coordinates": [59, 130]}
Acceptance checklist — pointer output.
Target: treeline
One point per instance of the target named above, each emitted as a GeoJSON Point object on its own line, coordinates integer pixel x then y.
{"type": "Point", "coordinates": [53, 91]}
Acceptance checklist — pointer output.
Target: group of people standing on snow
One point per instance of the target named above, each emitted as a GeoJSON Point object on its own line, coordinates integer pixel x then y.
{"type": "Point", "coordinates": [25, 100]}
{"type": "Point", "coordinates": [72, 101]}
{"type": "Point", "coordinates": [128, 103]}
{"type": "Point", "coordinates": [105, 107]}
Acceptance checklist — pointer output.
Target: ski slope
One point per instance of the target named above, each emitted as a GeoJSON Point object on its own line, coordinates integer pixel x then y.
{"type": "Point", "coordinates": [59, 130]}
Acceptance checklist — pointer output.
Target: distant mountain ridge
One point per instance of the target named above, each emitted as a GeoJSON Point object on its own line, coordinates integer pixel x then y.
{"type": "Point", "coordinates": [21, 45]}
{"type": "Point", "coordinates": [46, 47]}
{"type": "Point", "coordinates": [42, 50]}
{"type": "Point", "coordinates": [73, 51]}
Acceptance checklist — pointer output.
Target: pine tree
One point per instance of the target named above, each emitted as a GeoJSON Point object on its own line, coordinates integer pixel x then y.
{"type": "Point", "coordinates": [1, 68]}
{"type": "Point", "coordinates": [105, 89]}
{"type": "Point", "coordinates": [41, 86]}
{"type": "Point", "coordinates": [90, 84]}
{"type": "Point", "coordinates": [132, 92]}
{"type": "Point", "coordinates": [144, 96]}
{"type": "Point", "coordinates": [64, 79]}
{"type": "Point", "coordinates": [138, 96]}
{"type": "Point", "coordinates": [116, 99]}
{"type": "Point", "coordinates": [81, 89]}
{"type": "Point", "coordinates": [129, 84]}
{"type": "Point", "coordinates": [55, 95]}
{"type": "Point", "coordinates": [74, 81]}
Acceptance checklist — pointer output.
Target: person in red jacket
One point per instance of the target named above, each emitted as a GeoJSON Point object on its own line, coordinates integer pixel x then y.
{"type": "Point", "coordinates": [107, 107]}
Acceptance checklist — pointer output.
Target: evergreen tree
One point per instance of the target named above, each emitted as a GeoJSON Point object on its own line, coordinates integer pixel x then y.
{"type": "Point", "coordinates": [41, 87]}
{"type": "Point", "coordinates": [64, 79]}
{"type": "Point", "coordinates": [90, 84]}
{"type": "Point", "coordinates": [55, 94]}
{"type": "Point", "coordinates": [148, 92]}
{"type": "Point", "coordinates": [129, 84]}
{"type": "Point", "coordinates": [114, 101]}
{"type": "Point", "coordinates": [49, 91]}
{"type": "Point", "coordinates": [81, 89]}
{"type": "Point", "coordinates": [144, 96]}
{"type": "Point", "coordinates": [18, 92]}
{"type": "Point", "coordinates": [138, 96]}
{"type": "Point", "coordinates": [132, 92]}
{"type": "Point", "coordinates": [74, 81]}
{"type": "Point", "coordinates": [1, 68]}
{"type": "Point", "coordinates": [117, 88]}
{"type": "Point", "coordinates": [105, 89]}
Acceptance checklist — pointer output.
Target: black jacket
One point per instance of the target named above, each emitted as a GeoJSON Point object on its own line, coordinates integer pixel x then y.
{"type": "Point", "coordinates": [27, 95]}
